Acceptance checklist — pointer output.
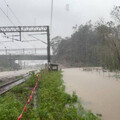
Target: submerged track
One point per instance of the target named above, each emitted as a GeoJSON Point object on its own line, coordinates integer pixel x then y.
{"type": "Point", "coordinates": [7, 86]}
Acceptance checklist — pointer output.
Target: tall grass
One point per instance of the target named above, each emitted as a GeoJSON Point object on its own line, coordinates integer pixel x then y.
{"type": "Point", "coordinates": [54, 102]}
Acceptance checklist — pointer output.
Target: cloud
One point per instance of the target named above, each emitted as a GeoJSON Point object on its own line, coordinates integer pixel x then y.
{"type": "Point", "coordinates": [37, 12]}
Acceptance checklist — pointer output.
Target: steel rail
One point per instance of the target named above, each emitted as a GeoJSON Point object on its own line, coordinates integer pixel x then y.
{"type": "Point", "coordinates": [9, 85]}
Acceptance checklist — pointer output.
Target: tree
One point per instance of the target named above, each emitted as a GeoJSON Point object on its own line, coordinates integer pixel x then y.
{"type": "Point", "coordinates": [55, 43]}
{"type": "Point", "coordinates": [115, 13]}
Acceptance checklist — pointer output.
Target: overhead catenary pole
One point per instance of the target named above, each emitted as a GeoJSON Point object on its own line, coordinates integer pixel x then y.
{"type": "Point", "coordinates": [20, 29]}
{"type": "Point", "coordinates": [48, 44]}
{"type": "Point", "coordinates": [51, 18]}
{"type": "Point", "coordinates": [20, 32]}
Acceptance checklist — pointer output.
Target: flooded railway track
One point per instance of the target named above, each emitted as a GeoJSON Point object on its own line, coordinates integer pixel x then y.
{"type": "Point", "coordinates": [7, 86]}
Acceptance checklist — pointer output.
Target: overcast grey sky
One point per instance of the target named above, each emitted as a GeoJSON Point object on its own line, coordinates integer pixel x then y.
{"type": "Point", "coordinates": [37, 12]}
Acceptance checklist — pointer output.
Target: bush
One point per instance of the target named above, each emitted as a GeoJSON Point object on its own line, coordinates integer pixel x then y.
{"type": "Point", "coordinates": [52, 101]}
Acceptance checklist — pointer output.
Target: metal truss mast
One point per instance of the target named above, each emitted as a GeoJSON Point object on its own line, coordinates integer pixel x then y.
{"type": "Point", "coordinates": [20, 29]}
{"type": "Point", "coordinates": [6, 29]}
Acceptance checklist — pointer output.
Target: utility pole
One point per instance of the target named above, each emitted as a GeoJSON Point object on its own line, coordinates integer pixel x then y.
{"type": "Point", "coordinates": [23, 51]}
{"type": "Point", "coordinates": [5, 50]}
{"type": "Point", "coordinates": [48, 44]}
{"type": "Point", "coordinates": [35, 50]}
{"type": "Point", "coordinates": [51, 15]}
{"type": "Point", "coordinates": [10, 59]}
{"type": "Point", "coordinates": [20, 32]}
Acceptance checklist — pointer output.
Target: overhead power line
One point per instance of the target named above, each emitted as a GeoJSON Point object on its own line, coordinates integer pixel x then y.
{"type": "Point", "coordinates": [38, 39]}
{"type": "Point", "coordinates": [7, 16]}
{"type": "Point", "coordinates": [14, 16]}
{"type": "Point", "coordinates": [38, 34]}
{"type": "Point", "coordinates": [18, 22]}
{"type": "Point", "coordinates": [12, 12]}
{"type": "Point", "coordinates": [11, 38]}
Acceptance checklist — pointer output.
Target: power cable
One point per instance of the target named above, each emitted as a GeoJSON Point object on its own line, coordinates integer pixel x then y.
{"type": "Point", "coordinates": [7, 16]}
{"type": "Point", "coordinates": [11, 38]}
{"type": "Point", "coordinates": [38, 39]}
{"type": "Point", "coordinates": [19, 22]}
{"type": "Point", "coordinates": [30, 40]}
{"type": "Point", "coordinates": [12, 12]}
{"type": "Point", "coordinates": [15, 17]}
{"type": "Point", "coordinates": [38, 34]}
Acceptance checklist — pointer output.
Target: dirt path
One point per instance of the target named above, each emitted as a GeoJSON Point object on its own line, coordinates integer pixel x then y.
{"type": "Point", "coordinates": [98, 92]}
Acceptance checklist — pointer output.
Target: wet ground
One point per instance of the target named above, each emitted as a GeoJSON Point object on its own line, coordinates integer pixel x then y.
{"type": "Point", "coordinates": [99, 91]}
{"type": "Point", "coordinates": [14, 73]}
{"type": "Point", "coordinates": [8, 76]}
{"type": "Point", "coordinates": [6, 88]}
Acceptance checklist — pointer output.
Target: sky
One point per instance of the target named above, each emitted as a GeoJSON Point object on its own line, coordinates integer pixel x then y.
{"type": "Point", "coordinates": [38, 12]}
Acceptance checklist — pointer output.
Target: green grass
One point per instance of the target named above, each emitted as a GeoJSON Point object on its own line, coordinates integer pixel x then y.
{"type": "Point", "coordinates": [19, 77]}
{"type": "Point", "coordinates": [1, 82]}
{"type": "Point", "coordinates": [54, 102]}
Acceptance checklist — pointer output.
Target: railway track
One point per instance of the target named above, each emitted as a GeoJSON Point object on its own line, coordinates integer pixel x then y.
{"type": "Point", "coordinates": [7, 86]}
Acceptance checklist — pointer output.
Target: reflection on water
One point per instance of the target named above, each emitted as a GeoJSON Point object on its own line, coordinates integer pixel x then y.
{"type": "Point", "coordinates": [99, 91]}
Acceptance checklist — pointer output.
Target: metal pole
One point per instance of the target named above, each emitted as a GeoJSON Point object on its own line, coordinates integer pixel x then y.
{"type": "Point", "coordinates": [20, 32]}
{"type": "Point", "coordinates": [51, 16]}
{"type": "Point", "coordinates": [48, 44]}
{"type": "Point", "coordinates": [23, 51]}
{"type": "Point", "coordinates": [35, 50]}
{"type": "Point", "coordinates": [12, 38]}
{"type": "Point", "coordinates": [6, 51]}
{"type": "Point", "coordinates": [10, 61]}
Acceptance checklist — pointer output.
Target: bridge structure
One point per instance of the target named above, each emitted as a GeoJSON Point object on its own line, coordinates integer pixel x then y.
{"type": "Point", "coordinates": [24, 57]}
{"type": "Point", "coordinates": [24, 53]}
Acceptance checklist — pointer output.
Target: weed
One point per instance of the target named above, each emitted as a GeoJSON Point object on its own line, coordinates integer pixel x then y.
{"type": "Point", "coordinates": [54, 102]}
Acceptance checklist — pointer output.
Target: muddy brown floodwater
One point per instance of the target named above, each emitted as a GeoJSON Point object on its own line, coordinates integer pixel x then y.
{"type": "Point", "coordinates": [98, 92]}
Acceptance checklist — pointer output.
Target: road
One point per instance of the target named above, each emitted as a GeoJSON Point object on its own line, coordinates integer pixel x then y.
{"type": "Point", "coordinates": [97, 90]}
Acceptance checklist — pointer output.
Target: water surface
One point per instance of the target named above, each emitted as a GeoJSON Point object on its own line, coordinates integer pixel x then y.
{"type": "Point", "coordinates": [98, 92]}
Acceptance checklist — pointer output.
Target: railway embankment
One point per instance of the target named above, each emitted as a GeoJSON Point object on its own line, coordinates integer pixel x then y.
{"type": "Point", "coordinates": [50, 101]}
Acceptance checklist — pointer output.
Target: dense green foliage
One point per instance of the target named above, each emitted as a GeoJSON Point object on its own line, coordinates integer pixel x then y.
{"type": "Point", "coordinates": [81, 48]}
{"type": "Point", "coordinates": [54, 102]}
{"type": "Point", "coordinates": [8, 64]}
{"type": "Point", "coordinates": [12, 103]}
{"type": "Point", "coordinates": [91, 44]}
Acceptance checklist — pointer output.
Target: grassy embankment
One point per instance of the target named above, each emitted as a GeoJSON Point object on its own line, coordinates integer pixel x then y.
{"type": "Point", "coordinates": [54, 102]}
